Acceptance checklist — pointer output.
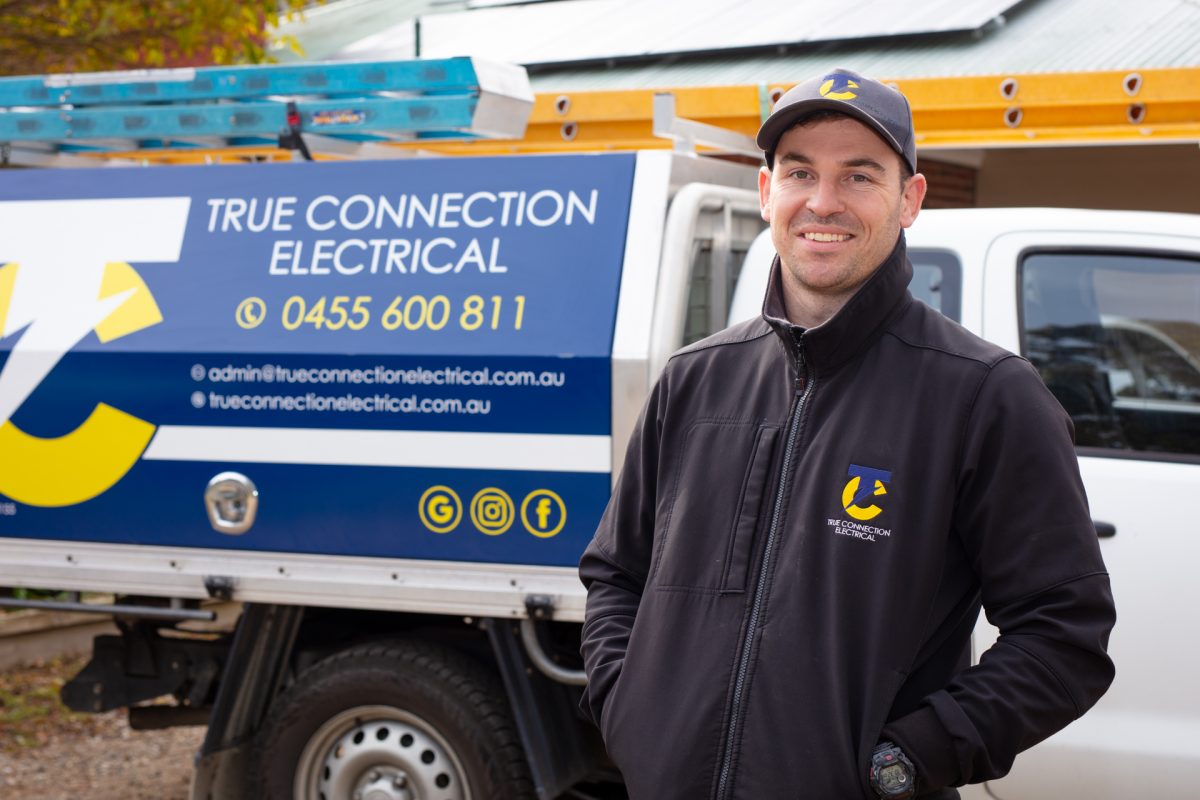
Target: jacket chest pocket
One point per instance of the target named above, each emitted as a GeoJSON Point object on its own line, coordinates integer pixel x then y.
{"type": "Point", "coordinates": [716, 503]}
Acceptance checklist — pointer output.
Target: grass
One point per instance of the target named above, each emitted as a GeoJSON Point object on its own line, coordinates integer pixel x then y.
{"type": "Point", "coordinates": [31, 712]}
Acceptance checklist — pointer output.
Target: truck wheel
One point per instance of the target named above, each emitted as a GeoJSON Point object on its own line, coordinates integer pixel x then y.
{"type": "Point", "coordinates": [393, 721]}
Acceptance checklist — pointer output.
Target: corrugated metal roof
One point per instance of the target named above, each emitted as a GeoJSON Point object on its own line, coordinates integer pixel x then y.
{"type": "Point", "coordinates": [1035, 36]}
{"type": "Point", "coordinates": [587, 30]}
{"type": "Point", "coordinates": [1039, 36]}
{"type": "Point", "coordinates": [338, 29]}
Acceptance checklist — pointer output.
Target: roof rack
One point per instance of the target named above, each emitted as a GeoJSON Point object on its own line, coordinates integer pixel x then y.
{"type": "Point", "coordinates": [1151, 106]}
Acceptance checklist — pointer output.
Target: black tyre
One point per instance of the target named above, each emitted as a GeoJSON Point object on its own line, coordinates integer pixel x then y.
{"type": "Point", "coordinates": [392, 721]}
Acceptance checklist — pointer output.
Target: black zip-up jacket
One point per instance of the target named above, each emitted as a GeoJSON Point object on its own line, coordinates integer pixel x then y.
{"type": "Point", "coordinates": [797, 548]}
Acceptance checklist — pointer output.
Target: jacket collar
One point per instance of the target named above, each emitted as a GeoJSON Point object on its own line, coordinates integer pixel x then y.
{"type": "Point", "coordinates": [856, 325]}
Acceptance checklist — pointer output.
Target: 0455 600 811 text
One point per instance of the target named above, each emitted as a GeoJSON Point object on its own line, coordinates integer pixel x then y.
{"type": "Point", "coordinates": [401, 313]}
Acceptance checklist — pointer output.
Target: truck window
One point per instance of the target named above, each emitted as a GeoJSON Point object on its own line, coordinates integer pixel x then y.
{"type": "Point", "coordinates": [937, 281]}
{"type": "Point", "coordinates": [1116, 337]}
{"type": "Point", "coordinates": [722, 240]}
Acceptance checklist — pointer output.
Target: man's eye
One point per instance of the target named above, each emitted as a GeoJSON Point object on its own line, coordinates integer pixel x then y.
{"type": "Point", "coordinates": [800, 174]}
{"type": "Point", "coordinates": [860, 178]}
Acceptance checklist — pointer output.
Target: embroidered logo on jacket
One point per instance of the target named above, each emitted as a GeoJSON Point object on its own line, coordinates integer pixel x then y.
{"type": "Point", "coordinates": [865, 485]}
{"type": "Point", "coordinates": [861, 499]}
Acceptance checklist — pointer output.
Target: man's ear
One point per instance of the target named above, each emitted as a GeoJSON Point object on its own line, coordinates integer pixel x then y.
{"type": "Point", "coordinates": [764, 193]}
{"type": "Point", "coordinates": [910, 199]}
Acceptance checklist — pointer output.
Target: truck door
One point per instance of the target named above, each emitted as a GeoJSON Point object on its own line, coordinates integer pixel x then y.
{"type": "Point", "coordinates": [1112, 322]}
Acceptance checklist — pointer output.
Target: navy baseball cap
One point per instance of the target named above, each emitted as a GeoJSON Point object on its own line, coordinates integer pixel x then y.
{"type": "Point", "coordinates": [876, 105]}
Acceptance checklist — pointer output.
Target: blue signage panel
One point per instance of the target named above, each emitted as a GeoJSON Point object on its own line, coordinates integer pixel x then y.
{"type": "Point", "coordinates": [503, 256]}
{"type": "Point", "coordinates": [158, 326]}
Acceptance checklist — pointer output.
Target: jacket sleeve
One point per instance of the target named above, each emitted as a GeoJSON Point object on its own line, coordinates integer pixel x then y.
{"type": "Point", "coordinates": [615, 565]}
{"type": "Point", "coordinates": [1023, 518]}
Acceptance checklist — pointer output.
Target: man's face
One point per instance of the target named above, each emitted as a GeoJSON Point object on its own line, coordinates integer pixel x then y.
{"type": "Point", "coordinates": [836, 205]}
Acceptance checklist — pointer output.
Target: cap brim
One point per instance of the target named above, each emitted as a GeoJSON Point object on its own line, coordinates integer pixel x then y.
{"type": "Point", "coordinates": [778, 123]}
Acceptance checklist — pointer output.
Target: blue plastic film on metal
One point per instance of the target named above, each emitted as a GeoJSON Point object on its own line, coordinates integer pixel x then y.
{"type": "Point", "coordinates": [410, 114]}
{"type": "Point", "coordinates": [239, 83]}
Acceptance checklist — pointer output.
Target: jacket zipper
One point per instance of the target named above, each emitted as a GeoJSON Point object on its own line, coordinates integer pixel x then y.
{"type": "Point", "coordinates": [803, 388]}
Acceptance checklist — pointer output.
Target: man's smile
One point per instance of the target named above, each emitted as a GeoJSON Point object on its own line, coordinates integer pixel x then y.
{"type": "Point", "coordinates": [820, 236]}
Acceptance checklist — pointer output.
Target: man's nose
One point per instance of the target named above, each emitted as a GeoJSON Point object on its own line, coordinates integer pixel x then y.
{"type": "Point", "coordinates": [825, 199]}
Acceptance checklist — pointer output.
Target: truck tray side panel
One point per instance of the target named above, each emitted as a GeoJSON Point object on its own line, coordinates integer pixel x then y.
{"type": "Point", "coordinates": [409, 359]}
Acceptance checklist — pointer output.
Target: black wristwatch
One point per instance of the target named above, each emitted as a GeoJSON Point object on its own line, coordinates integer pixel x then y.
{"type": "Point", "coordinates": [892, 774]}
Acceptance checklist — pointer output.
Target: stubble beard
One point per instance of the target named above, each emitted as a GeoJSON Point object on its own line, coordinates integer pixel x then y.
{"type": "Point", "coordinates": [815, 301]}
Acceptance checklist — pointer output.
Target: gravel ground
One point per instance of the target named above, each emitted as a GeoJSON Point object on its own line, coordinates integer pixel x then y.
{"type": "Point", "coordinates": [48, 752]}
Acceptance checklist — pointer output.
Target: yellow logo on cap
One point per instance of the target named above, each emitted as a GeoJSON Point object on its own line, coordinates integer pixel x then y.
{"type": "Point", "coordinates": [826, 89]}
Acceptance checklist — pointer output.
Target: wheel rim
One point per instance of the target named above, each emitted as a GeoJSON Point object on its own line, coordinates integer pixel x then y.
{"type": "Point", "coordinates": [379, 753]}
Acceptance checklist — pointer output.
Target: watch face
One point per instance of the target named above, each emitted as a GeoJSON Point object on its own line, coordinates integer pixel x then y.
{"type": "Point", "coordinates": [893, 777]}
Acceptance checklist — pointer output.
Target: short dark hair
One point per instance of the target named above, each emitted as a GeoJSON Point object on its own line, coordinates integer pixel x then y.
{"type": "Point", "coordinates": [827, 115]}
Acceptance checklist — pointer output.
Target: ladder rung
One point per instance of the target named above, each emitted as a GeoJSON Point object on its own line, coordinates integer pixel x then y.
{"type": "Point", "coordinates": [454, 97]}
{"type": "Point", "coordinates": [410, 114]}
{"type": "Point", "coordinates": [238, 83]}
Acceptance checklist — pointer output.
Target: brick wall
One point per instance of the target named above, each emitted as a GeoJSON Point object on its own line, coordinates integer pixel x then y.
{"type": "Point", "coordinates": [950, 185]}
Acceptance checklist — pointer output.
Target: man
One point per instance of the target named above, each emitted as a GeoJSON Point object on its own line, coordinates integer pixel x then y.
{"type": "Point", "coordinates": [814, 504]}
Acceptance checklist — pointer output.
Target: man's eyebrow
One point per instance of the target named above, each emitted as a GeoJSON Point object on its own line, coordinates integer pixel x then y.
{"type": "Point", "coordinates": [856, 163]}
{"type": "Point", "coordinates": [798, 158]}
{"type": "Point", "coordinates": [869, 163]}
